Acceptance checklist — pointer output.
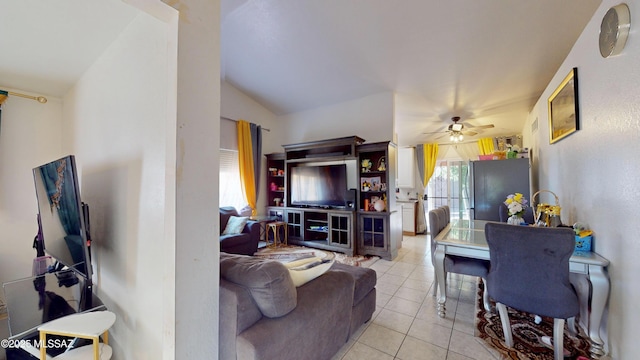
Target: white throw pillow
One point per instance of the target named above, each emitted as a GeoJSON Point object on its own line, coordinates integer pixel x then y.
{"type": "Point", "coordinates": [235, 225]}
{"type": "Point", "coordinates": [304, 270]}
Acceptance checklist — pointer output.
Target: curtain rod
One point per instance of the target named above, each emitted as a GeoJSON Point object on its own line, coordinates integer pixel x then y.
{"type": "Point", "coordinates": [230, 119]}
{"type": "Point", "coordinates": [40, 99]}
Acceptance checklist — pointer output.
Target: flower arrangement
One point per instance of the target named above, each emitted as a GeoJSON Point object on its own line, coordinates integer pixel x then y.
{"type": "Point", "coordinates": [516, 203]}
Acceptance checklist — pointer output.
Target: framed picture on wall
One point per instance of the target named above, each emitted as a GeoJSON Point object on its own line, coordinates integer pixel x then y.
{"type": "Point", "coordinates": [563, 108]}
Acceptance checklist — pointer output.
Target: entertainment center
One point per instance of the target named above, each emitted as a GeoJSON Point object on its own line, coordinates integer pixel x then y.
{"type": "Point", "coordinates": [335, 195]}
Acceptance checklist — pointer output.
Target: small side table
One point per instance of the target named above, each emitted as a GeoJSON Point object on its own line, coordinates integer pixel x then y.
{"type": "Point", "coordinates": [275, 228]}
{"type": "Point", "coordinates": [85, 325]}
{"type": "Point", "coordinates": [263, 221]}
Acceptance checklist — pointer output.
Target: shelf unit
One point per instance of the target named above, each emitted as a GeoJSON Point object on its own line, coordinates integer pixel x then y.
{"type": "Point", "coordinates": [379, 232]}
{"type": "Point", "coordinates": [276, 179]}
{"type": "Point", "coordinates": [320, 228]}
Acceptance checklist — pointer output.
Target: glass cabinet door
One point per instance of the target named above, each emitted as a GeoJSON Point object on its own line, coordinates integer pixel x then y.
{"type": "Point", "coordinates": [373, 232]}
{"type": "Point", "coordinates": [339, 229]}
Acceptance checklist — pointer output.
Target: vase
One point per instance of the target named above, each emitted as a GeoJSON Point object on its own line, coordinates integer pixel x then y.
{"type": "Point", "coordinates": [515, 220]}
{"type": "Point", "coordinates": [379, 205]}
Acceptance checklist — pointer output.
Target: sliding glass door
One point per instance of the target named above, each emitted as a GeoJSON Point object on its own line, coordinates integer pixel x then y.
{"type": "Point", "coordinates": [450, 185]}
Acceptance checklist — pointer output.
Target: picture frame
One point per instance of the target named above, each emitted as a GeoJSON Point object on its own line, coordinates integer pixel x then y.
{"type": "Point", "coordinates": [564, 114]}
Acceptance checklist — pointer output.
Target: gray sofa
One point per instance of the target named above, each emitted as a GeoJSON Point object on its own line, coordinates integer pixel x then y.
{"type": "Point", "coordinates": [264, 316]}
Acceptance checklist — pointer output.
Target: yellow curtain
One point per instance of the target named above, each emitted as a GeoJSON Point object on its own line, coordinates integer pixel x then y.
{"type": "Point", "coordinates": [245, 155]}
{"type": "Point", "coordinates": [486, 146]}
{"type": "Point", "coordinates": [430, 157]}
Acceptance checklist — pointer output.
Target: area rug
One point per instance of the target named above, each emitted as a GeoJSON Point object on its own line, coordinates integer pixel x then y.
{"type": "Point", "coordinates": [287, 253]}
{"type": "Point", "coordinates": [526, 334]}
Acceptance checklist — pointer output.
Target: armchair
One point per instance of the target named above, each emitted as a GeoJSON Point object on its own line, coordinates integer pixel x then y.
{"type": "Point", "coordinates": [530, 272]}
{"type": "Point", "coordinates": [244, 243]}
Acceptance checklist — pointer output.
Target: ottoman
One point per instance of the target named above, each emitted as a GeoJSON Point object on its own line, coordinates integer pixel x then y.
{"type": "Point", "coordinates": [364, 296]}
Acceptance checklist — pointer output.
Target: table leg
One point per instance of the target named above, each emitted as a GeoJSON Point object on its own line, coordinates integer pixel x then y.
{"type": "Point", "coordinates": [442, 280]}
{"type": "Point", "coordinates": [600, 293]}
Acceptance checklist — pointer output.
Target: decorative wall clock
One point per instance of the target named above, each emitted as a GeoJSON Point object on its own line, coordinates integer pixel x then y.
{"type": "Point", "coordinates": [614, 30]}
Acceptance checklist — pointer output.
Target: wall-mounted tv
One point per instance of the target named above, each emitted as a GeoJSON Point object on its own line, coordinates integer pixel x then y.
{"type": "Point", "coordinates": [62, 217]}
{"type": "Point", "coordinates": [318, 185]}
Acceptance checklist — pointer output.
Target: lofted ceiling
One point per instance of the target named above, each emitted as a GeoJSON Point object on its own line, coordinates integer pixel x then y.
{"type": "Point", "coordinates": [47, 45]}
{"type": "Point", "coordinates": [487, 61]}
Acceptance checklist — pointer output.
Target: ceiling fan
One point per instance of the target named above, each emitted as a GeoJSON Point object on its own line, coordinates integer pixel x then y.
{"type": "Point", "coordinates": [457, 130]}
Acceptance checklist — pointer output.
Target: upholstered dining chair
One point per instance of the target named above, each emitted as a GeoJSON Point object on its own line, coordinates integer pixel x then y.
{"type": "Point", "coordinates": [530, 272]}
{"type": "Point", "coordinates": [452, 263]}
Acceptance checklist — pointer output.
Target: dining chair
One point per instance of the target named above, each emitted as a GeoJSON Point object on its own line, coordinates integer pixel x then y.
{"type": "Point", "coordinates": [452, 263]}
{"type": "Point", "coordinates": [503, 211]}
{"type": "Point", "coordinates": [530, 272]}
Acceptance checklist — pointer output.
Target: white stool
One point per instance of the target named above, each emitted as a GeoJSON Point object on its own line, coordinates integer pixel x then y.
{"type": "Point", "coordinates": [87, 326]}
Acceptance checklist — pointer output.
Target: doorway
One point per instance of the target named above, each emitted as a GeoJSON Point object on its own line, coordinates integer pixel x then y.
{"type": "Point", "coordinates": [450, 185]}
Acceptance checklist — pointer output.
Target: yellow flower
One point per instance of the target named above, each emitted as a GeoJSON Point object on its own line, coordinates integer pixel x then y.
{"type": "Point", "coordinates": [518, 197]}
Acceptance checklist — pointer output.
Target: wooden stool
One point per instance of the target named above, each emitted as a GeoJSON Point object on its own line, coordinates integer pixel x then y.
{"type": "Point", "coordinates": [275, 228]}
{"type": "Point", "coordinates": [87, 326]}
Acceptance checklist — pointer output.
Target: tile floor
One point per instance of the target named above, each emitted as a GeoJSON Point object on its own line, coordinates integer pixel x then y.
{"type": "Point", "coordinates": [406, 325]}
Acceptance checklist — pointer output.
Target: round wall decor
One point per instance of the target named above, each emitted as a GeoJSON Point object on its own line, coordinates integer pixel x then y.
{"type": "Point", "coordinates": [614, 30]}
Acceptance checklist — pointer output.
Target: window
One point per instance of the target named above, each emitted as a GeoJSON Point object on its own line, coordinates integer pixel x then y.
{"type": "Point", "coordinates": [230, 188]}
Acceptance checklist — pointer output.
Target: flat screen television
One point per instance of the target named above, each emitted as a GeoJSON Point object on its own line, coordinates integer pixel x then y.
{"type": "Point", "coordinates": [319, 185]}
{"type": "Point", "coordinates": [63, 226]}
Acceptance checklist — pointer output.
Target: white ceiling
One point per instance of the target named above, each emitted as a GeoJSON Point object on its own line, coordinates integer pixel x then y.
{"type": "Point", "coordinates": [47, 45]}
{"type": "Point", "coordinates": [487, 61]}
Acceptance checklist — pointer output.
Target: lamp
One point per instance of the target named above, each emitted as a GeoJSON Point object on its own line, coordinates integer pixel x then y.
{"type": "Point", "coordinates": [456, 136]}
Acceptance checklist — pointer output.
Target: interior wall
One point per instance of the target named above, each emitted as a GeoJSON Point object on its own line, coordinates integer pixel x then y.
{"type": "Point", "coordinates": [197, 252]}
{"type": "Point", "coordinates": [370, 118]}
{"type": "Point", "coordinates": [116, 123]}
{"type": "Point", "coordinates": [29, 136]}
{"type": "Point", "coordinates": [595, 171]}
{"type": "Point", "coordinates": [236, 105]}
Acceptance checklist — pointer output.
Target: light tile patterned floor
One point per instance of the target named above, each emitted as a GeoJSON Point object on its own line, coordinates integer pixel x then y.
{"type": "Point", "coordinates": [406, 325]}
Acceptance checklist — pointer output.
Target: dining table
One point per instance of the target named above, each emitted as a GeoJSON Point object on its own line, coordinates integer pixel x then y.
{"type": "Point", "coordinates": [463, 237]}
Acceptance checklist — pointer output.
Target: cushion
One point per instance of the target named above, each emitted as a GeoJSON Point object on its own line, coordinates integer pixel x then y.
{"type": "Point", "coordinates": [304, 270]}
{"type": "Point", "coordinates": [365, 280]}
{"type": "Point", "coordinates": [268, 281]}
{"type": "Point", "coordinates": [235, 225]}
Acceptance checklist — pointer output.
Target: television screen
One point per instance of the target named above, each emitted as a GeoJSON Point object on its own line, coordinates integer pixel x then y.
{"type": "Point", "coordinates": [322, 185]}
{"type": "Point", "coordinates": [61, 214]}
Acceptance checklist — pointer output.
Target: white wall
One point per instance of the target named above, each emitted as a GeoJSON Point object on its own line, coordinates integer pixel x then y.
{"type": "Point", "coordinates": [370, 118]}
{"type": "Point", "coordinates": [238, 106]}
{"type": "Point", "coordinates": [30, 136]}
{"type": "Point", "coordinates": [595, 171]}
{"type": "Point", "coordinates": [117, 123]}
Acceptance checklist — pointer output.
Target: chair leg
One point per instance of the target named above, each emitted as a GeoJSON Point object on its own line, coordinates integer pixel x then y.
{"type": "Point", "coordinates": [435, 284]}
{"type": "Point", "coordinates": [506, 326]}
{"type": "Point", "coordinates": [558, 338]}
{"type": "Point", "coordinates": [571, 324]}
{"type": "Point", "coordinates": [485, 297]}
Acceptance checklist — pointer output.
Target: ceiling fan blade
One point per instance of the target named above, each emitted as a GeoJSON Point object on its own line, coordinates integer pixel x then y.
{"type": "Point", "coordinates": [488, 126]}
{"type": "Point", "coordinates": [436, 132]}
{"type": "Point", "coordinates": [469, 133]}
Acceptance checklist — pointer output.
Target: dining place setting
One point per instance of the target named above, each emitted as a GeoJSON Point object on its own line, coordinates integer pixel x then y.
{"type": "Point", "coordinates": [530, 262]}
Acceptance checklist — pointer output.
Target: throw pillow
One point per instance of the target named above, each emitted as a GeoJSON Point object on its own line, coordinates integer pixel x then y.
{"type": "Point", "coordinates": [304, 270]}
{"type": "Point", "coordinates": [235, 225]}
{"type": "Point", "coordinates": [268, 281]}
